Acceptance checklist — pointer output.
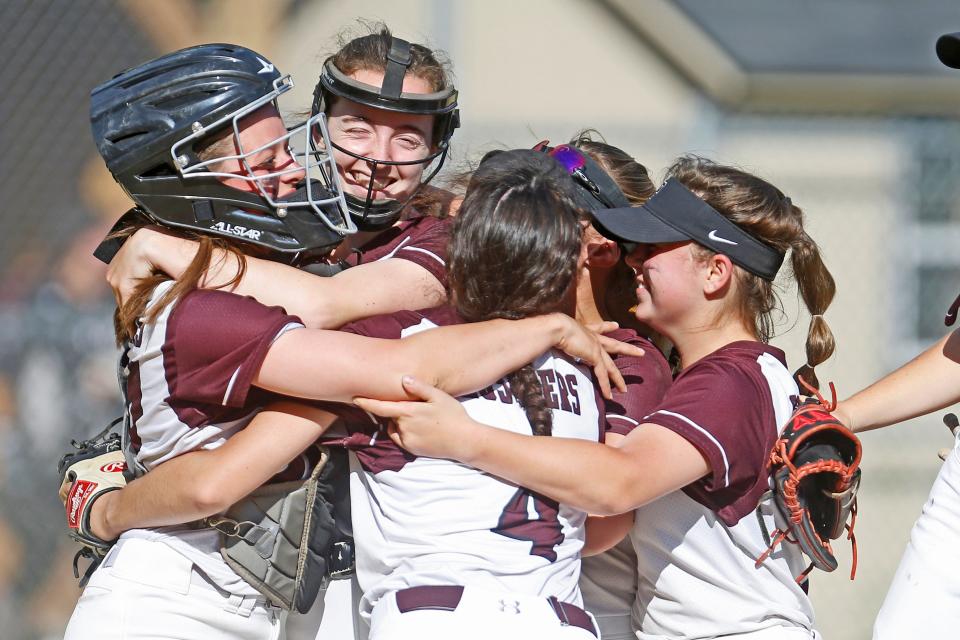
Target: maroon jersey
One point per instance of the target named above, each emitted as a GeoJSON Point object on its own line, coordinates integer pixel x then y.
{"type": "Point", "coordinates": [698, 547]}
{"type": "Point", "coordinates": [191, 371]}
{"type": "Point", "coordinates": [647, 379]}
{"type": "Point", "coordinates": [189, 387]}
{"type": "Point", "coordinates": [421, 239]}
{"type": "Point", "coordinates": [731, 405]}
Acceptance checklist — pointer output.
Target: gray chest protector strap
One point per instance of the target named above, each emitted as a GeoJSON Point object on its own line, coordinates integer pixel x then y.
{"type": "Point", "coordinates": [284, 538]}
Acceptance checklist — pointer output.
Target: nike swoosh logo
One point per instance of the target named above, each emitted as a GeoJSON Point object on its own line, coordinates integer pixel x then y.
{"type": "Point", "coordinates": [713, 236]}
{"type": "Point", "coordinates": [267, 66]}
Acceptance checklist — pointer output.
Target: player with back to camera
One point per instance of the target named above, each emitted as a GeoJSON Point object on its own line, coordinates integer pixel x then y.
{"type": "Point", "coordinates": [708, 246]}
{"type": "Point", "coordinates": [193, 380]}
{"type": "Point", "coordinates": [599, 284]}
{"type": "Point", "coordinates": [449, 551]}
{"type": "Point", "coordinates": [923, 597]}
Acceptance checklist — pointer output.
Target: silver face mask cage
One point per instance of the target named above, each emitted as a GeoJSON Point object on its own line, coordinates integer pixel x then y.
{"type": "Point", "coordinates": [306, 145]}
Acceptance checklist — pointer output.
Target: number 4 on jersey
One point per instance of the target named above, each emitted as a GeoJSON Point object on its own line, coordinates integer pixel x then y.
{"type": "Point", "coordinates": [544, 531]}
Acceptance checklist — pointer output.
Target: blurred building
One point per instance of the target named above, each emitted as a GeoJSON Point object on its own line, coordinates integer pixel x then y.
{"type": "Point", "coordinates": [841, 104]}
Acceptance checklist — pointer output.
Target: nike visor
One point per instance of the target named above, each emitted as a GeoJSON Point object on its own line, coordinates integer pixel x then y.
{"type": "Point", "coordinates": [676, 214]}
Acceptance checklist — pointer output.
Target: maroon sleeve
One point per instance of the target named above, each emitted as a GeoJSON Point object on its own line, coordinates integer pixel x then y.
{"type": "Point", "coordinates": [647, 379]}
{"type": "Point", "coordinates": [390, 325]}
{"type": "Point", "coordinates": [427, 247]}
{"type": "Point", "coordinates": [215, 344]}
{"type": "Point", "coordinates": [725, 411]}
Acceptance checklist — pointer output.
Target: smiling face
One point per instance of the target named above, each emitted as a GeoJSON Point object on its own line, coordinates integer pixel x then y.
{"type": "Point", "coordinates": [381, 135]}
{"type": "Point", "coordinates": [669, 283]}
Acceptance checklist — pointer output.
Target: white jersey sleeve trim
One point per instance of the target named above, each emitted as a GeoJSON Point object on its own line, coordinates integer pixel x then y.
{"type": "Point", "coordinates": [233, 379]}
{"type": "Point", "coordinates": [723, 454]}
{"type": "Point", "coordinates": [397, 248]}
{"type": "Point", "coordinates": [429, 253]}
{"type": "Point", "coordinates": [622, 417]}
{"type": "Point", "coordinates": [290, 326]}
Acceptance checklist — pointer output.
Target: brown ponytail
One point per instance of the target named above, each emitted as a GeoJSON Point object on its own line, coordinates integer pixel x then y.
{"type": "Point", "coordinates": [817, 289]}
{"type": "Point", "coordinates": [762, 210]}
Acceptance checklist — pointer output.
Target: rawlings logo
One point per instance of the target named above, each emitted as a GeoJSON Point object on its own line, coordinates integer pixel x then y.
{"type": "Point", "coordinates": [79, 494]}
{"type": "Point", "coordinates": [237, 230]}
{"type": "Point", "coordinates": [114, 467]}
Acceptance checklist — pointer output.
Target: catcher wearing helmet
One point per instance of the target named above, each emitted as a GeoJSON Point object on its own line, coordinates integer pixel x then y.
{"type": "Point", "coordinates": [192, 357]}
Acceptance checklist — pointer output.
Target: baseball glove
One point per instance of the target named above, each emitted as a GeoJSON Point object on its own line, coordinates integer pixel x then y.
{"type": "Point", "coordinates": [96, 467]}
{"type": "Point", "coordinates": [815, 473]}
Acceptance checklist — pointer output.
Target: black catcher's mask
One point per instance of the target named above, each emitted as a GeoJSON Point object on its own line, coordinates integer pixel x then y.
{"type": "Point", "coordinates": [150, 121]}
{"type": "Point", "coordinates": [368, 213]}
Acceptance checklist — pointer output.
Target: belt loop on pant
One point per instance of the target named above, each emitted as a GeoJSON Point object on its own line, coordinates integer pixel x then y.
{"type": "Point", "coordinates": [240, 605]}
{"type": "Point", "coordinates": [572, 615]}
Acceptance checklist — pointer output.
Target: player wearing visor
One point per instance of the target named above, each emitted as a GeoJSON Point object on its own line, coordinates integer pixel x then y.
{"type": "Point", "coordinates": [705, 249]}
{"type": "Point", "coordinates": [196, 363]}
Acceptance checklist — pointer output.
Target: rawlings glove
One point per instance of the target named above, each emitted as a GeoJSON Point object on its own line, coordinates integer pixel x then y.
{"type": "Point", "coordinates": [95, 468]}
{"type": "Point", "coordinates": [815, 472]}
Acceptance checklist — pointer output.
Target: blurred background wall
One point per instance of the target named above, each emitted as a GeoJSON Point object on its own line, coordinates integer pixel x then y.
{"type": "Point", "coordinates": [841, 104]}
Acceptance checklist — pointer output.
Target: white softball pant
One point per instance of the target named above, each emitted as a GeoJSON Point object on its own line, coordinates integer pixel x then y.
{"type": "Point", "coordinates": [335, 615]}
{"type": "Point", "coordinates": [615, 627]}
{"type": "Point", "coordinates": [470, 613]}
{"type": "Point", "coordinates": [146, 590]}
{"type": "Point", "coordinates": [924, 597]}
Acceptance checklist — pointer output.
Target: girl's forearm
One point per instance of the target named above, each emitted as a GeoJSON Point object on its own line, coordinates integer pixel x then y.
{"type": "Point", "coordinates": [198, 484]}
{"type": "Point", "coordinates": [586, 475]}
{"type": "Point", "coordinates": [271, 283]}
{"type": "Point", "coordinates": [929, 382]}
{"type": "Point", "coordinates": [339, 366]}
{"type": "Point", "coordinates": [464, 358]}
{"type": "Point", "coordinates": [650, 462]}
{"type": "Point", "coordinates": [605, 532]}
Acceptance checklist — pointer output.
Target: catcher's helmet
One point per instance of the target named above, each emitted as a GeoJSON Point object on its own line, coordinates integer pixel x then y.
{"type": "Point", "coordinates": [368, 213]}
{"type": "Point", "coordinates": [149, 122]}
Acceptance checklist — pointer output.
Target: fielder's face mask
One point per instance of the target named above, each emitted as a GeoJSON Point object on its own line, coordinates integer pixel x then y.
{"type": "Point", "coordinates": [318, 191]}
{"type": "Point", "coordinates": [369, 213]}
{"type": "Point", "coordinates": [676, 214]}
